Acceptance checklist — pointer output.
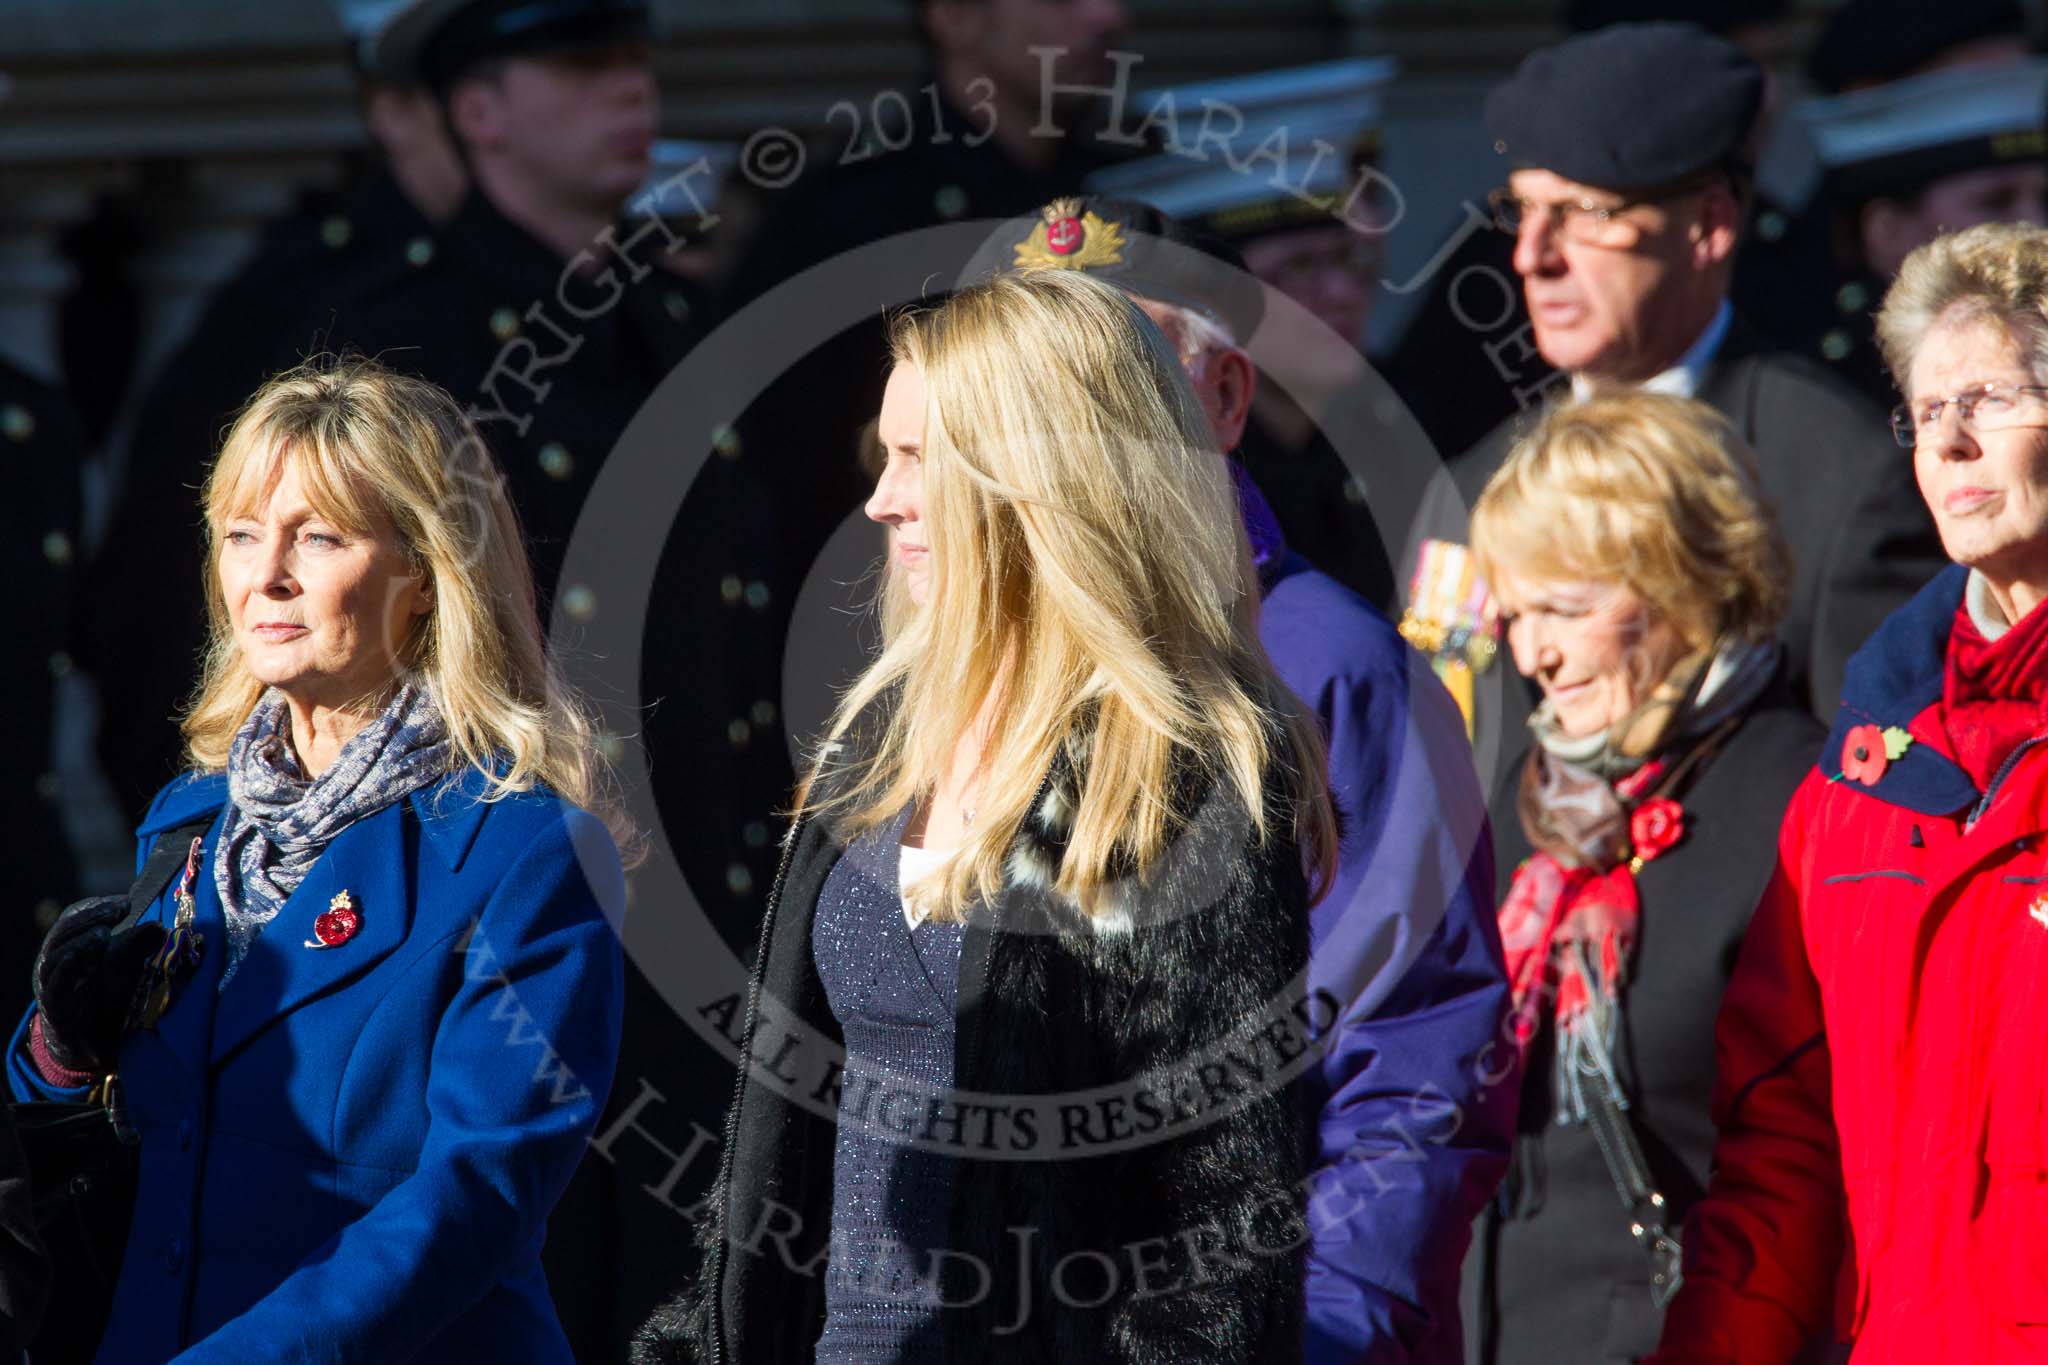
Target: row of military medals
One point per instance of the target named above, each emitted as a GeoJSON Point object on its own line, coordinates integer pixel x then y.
{"type": "Point", "coordinates": [174, 957]}
{"type": "Point", "coordinates": [178, 954]}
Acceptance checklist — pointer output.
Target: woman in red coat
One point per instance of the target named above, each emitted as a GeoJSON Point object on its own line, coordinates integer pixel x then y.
{"type": "Point", "coordinates": [1882, 1166]}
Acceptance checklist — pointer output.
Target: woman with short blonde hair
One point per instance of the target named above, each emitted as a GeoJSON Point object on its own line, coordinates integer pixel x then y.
{"type": "Point", "coordinates": [1653, 492]}
{"type": "Point", "coordinates": [1641, 579]}
{"type": "Point", "coordinates": [377, 859]}
{"type": "Point", "coordinates": [1059, 846]}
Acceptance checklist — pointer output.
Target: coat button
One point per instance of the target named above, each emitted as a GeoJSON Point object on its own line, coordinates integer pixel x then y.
{"type": "Point", "coordinates": [579, 602]}
{"type": "Point", "coordinates": [174, 1255]}
{"type": "Point", "coordinates": [185, 1135]}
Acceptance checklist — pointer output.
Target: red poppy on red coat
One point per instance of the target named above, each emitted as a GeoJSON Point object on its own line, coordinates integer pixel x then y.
{"type": "Point", "coordinates": [1656, 825]}
{"type": "Point", "coordinates": [1863, 756]}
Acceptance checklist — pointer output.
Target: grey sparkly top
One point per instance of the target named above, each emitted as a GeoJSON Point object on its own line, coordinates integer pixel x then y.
{"type": "Point", "coordinates": [893, 990]}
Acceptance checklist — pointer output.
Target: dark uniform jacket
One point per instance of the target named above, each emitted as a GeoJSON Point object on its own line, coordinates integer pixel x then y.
{"type": "Point", "coordinates": [1554, 1273]}
{"type": "Point", "coordinates": [1861, 538]}
{"type": "Point", "coordinates": [1050, 1004]}
{"type": "Point", "coordinates": [41, 444]}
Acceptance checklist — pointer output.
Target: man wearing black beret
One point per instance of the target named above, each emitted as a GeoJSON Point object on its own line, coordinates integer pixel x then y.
{"type": "Point", "coordinates": [1629, 173]}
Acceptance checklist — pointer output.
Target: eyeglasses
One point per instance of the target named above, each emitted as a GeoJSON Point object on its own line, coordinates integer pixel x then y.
{"type": "Point", "coordinates": [1577, 220]}
{"type": "Point", "coordinates": [1986, 407]}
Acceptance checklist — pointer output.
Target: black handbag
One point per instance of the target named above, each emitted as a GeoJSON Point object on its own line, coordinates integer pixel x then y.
{"type": "Point", "coordinates": [81, 1158]}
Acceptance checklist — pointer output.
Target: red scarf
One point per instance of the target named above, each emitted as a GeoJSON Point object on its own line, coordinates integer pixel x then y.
{"type": "Point", "coordinates": [1569, 931]}
{"type": "Point", "coordinates": [1993, 693]}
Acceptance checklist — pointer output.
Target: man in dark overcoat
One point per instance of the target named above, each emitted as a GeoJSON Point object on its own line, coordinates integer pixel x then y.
{"type": "Point", "coordinates": [1630, 156]}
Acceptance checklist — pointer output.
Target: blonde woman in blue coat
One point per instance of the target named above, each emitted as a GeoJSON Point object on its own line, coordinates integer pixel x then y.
{"type": "Point", "coordinates": [367, 1027]}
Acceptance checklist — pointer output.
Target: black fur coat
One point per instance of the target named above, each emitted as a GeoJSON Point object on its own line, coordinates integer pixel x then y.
{"type": "Point", "coordinates": [1133, 1192]}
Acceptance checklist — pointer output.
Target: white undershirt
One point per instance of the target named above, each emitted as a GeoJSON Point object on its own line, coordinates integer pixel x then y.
{"type": "Point", "coordinates": [912, 865]}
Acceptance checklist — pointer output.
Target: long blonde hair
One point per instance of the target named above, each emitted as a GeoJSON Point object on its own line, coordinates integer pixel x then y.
{"type": "Point", "coordinates": [1090, 575]}
{"type": "Point", "coordinates": [373, 447]}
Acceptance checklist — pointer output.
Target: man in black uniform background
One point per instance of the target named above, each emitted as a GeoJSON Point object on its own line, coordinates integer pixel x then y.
{"type": "Point", "coordinates": [1906, 162]}
{"type": "Point", "coordinates": [977, 144]}
{"type": "Point", "coordinates": [1932, 121]}
{"type": "Point", "coordinates": [1310, 223]}
{"type": "Point", "coordinates": [41, 444]}
{"type": "Point", "coordinates": [552, 308]}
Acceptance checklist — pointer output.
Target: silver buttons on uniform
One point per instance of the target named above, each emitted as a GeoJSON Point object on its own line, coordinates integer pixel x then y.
{"type": "Point", "coordinates": [579, 602]}
{"type": "Point", "coordinates": [504, 324]}
{"type": "Point", "coordinates": [17, 422]}
{"type": "Point", "coordinates": [419, 251]}
{"type": "Point", "coordinates": [554, 460]}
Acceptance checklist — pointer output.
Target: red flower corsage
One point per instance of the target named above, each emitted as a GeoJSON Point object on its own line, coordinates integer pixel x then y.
{"type": "Point", "coordinates": [1653, 827]}
{"type": "Point", "coordinates": [1868, 751]}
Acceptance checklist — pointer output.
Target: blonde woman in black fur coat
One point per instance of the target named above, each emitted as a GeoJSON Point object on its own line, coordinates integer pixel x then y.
{"type": "Point", "coordinates": [1029, 1002]}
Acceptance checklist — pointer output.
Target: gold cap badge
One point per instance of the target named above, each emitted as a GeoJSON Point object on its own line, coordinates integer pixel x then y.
{"type": "Point", "coordinates": [1070, 238]}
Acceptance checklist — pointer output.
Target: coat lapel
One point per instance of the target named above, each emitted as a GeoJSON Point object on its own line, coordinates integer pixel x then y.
{"type": "Point", "coordinates": [1895, 676]}
{"type": "Point", "coordinates": [188, 1023]}
{"type": "Point", "coordinates": [369, 860]}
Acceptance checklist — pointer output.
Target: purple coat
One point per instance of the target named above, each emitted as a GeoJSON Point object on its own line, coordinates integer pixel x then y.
{"type": "Point", "coordinates": [1415, 1100]}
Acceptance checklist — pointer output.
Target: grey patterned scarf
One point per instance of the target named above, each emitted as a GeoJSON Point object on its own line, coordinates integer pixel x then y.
{"type": "Point", "coordinates": [279, 821]}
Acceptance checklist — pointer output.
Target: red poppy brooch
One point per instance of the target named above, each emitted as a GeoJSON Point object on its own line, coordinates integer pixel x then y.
{"type": "Point", "coordinates": [1654, 827]}
{"type": "Point", "coordinates": [338, 924]}
{"type": "Point", "coordinates": [1868, 751]}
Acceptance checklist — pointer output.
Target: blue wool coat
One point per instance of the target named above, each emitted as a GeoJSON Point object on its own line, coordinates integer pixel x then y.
{"type": "Point", "coordinates": [349, 1154]}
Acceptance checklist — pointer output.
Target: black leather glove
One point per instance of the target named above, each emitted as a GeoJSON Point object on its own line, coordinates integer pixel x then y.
{"type": "Point", "coordinates": [85, 980]}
